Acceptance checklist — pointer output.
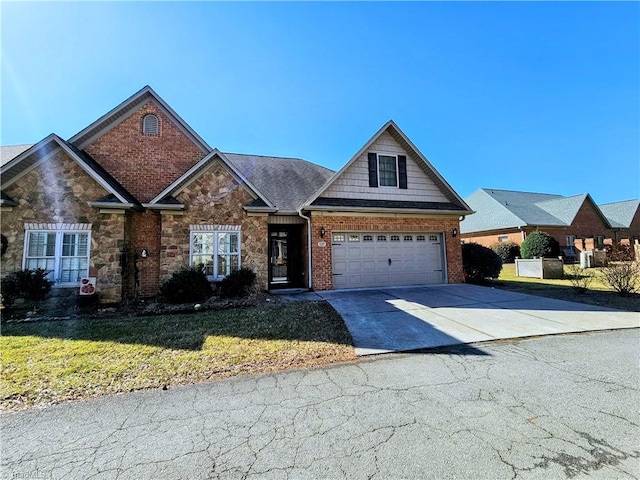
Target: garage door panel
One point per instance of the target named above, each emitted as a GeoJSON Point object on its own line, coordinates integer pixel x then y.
{"type": "Point", "coordinates": [362, 260]}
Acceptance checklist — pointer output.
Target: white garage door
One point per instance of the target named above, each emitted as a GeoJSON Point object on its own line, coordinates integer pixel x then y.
{"type": "Point", "coordinates": [384, 259]}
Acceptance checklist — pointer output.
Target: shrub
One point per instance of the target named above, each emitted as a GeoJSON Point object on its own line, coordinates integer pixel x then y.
{"type": "Point", "coordinates": [507, 251]}
{"type": "Point", "coordinates": [623, 277]}
{"type": "Point", "coordinates": [238, 283]}
{"type": "Point", "coordinates": [187, 285]}
{"type": "Point", "coordinates": [480, 263]}
{"type": "Point", "coordinates": [10, 291]}
{"type": "Point", "coordinates": [580, 278]}
{"type": "Point", "coordinates": [619, 253]}
{"type": "Point", "coordinates": [31, 285]}
{"type": "Point", "coordinates": [539, 244]}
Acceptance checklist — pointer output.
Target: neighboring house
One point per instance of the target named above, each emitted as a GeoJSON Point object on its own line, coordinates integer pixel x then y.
{"type": "Point", "coordinates": [624, 218]}
{"type": "Point", "coordinates": [137, 195]}
{"type": "Point", "coordinates": [576, 222]}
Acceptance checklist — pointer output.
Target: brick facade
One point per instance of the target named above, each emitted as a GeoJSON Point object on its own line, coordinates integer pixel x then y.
{"type": "Point", "coordinates": [322, 277]}
{"type": "Point", "coordinates": [215, 198]}
{"type": "Point", "coordinates": [57, 192]}
{"type": "Point", "coordinates": [145, 164]}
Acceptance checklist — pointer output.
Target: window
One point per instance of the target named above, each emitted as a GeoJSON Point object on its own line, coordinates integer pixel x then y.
{"type": "Point", "coordinates": [338, 237]}
{"type": "Point", "coordinates": [570, 240]}
{"type": "Point", "coordinates": [395, 238]}
{"type": "Point", "coordinates": [367, 238]}
{"type": "Point", "coordinates": [503, 239]}
{"type": "Point", "coordinates": [420, 238]}
{"type": "Point", "coordinates": [387, 171]}
{"type": "Point", "coordinates": [354, 238]}
{"type": "Point", "coordinates": [382, 238]}
{"type": "Point", "coordinates": [599, 240]}
{"type": "Point", "coordinates": [433, 238]}
{"type": "Point", "coordinates": [150, 125]}
{"type": "Point", "coordinates": [217, 252]}
{"type": "Point", "coordinates": [63, 253]}
{"type": "Point", "coordinates": [408, 238]}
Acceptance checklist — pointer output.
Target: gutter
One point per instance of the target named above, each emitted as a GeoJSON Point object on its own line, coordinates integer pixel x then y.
{"type": "Point", "coordinates": [308, 219]}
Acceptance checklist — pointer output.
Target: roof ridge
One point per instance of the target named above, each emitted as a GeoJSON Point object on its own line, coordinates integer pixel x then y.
{"type": "Point", "coordinates": [522, 191]}
{"type": "Point", "coordinates": [621, 201]}
{"type": "Point", "coordinates": [281, 158]}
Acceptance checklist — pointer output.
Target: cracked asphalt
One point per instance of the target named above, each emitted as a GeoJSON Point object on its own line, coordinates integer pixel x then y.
{"type": "Point", "coordinates": [552, 407]}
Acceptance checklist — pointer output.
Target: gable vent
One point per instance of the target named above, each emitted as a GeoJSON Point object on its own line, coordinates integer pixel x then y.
{"type": "Point", "coordinates": [150, 125]}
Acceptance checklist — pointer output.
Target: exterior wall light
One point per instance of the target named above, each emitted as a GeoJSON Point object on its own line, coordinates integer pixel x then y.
{"type": "Point", "coordinates": [144, 253]}
{"type": "Point", "coordinates": [322, 231]}
{"type": "Point", "coordinates": [455, 232]}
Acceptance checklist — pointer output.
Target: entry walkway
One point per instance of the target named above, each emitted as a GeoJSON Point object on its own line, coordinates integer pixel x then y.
{"type": "Point", "coordinates": [408, 318]}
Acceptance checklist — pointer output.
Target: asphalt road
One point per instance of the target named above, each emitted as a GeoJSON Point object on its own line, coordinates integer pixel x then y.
{"type": "Point", "coordinates": [550, 407]}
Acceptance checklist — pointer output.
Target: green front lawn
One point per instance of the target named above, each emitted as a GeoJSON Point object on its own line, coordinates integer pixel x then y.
{"type": "Point", "coordinates": [54, 361]}
{"type": "Point", "coordinates": [599, 292]}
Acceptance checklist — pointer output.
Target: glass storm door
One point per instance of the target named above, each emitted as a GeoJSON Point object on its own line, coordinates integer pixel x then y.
{"type": "Point", "coordinates": [279, 257]}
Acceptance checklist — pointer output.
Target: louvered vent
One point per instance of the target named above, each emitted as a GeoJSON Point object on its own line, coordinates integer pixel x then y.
{"type": "Point", "coordinates": [150, 125]}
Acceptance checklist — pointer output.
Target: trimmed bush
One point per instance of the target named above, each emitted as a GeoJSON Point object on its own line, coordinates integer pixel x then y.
{"type": "Point", "coordinates": [186, 286]}
{"type": "Point", "coordinates": [32, 285]}
{"type": "Point", "coordinates": [507, 251]}
{"type": "Point", "coordinates": [480, 263]}
{"type": "Point", "coordinates": [539, 244]}
{"type": "Point", "coordinates": [238, 283]}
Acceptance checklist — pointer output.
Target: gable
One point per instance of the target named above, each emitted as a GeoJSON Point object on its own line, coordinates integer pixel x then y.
{"type": "Point", "coordinates": [167, 197]}
{"type": "Point", "coordinates": [39, 154]}
{"type": "Point", "coordinates": [353, 182]}
{"type": "Point", "coordinates": [145, 164]}
{"type": "Point", "coordinates": [56, 188]}
{"type": "Point", "coordinates": [588, 220]}
{"type": "Point", "coordinates": [410, 183]}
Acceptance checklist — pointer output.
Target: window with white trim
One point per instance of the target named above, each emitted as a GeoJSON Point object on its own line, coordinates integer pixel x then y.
{"type": "Point", "coordinates": [216, 252]}
{"type": "Point", "coordinates": [388, 170]}
{"type": "Point", "coordinates": [63, 253]}
{"type": "Point", "coordinates": [570, 239]}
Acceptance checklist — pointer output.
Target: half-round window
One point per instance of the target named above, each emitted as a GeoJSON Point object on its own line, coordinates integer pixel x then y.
{"type": "Point", "coordinates": [150, 125]}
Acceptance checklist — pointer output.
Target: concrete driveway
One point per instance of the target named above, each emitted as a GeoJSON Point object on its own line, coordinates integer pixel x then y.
{"type": "Point", "coordinates": [409, 318]}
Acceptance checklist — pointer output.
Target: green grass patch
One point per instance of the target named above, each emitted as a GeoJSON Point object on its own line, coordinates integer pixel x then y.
{"type": "Point", "coordinates": [54, 361]}
{"type": "Point", "coordinates": [599, 292]}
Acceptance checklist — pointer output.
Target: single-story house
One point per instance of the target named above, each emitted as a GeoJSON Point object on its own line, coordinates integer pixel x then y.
{"type": "Point", "coordinates": [138, 194]}
{"type": "Point", "coordinates": [576, 222]}
{"type": "Point", "coordinates": [624, 218]}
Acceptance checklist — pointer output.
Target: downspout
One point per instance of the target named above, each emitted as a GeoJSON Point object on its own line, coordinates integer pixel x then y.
{"type": "Point", "coordinates": [308, 219]}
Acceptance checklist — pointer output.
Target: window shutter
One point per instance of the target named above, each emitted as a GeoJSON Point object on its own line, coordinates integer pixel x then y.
{"type": "Point", "coordinates": [373, 170]}
{"type": "Point", "coordinates": [402, 171]}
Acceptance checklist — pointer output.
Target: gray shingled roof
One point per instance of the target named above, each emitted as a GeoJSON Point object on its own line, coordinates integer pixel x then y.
{"type": "Point", "coordinates": [620, 214]}
{"type": "Point", "coordinates": [503, 209]}
{"type": "Point", "coordinates": [286, 182]}
{"type": "Point", "coordinates": [10, 152]}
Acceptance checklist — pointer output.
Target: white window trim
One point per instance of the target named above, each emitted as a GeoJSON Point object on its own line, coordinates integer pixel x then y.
{"type": "Point", "coordinates": [59, 230]}
{"type": "Point", "coordinates": [215, 230]}
{"type": "Point", "coordinates": [397, 185]}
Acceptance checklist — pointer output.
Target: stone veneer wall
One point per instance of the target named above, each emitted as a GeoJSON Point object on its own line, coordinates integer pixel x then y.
{"type": "Point", "coordinates": [57, 192]}
{"type": "Point", "coordinates": [215, 198]}
{"type": "Point", "coordinates": [321, 257]}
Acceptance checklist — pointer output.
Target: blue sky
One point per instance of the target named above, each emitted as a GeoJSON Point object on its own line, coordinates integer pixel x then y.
{"type": "Point", "coordinates": [538, 97]}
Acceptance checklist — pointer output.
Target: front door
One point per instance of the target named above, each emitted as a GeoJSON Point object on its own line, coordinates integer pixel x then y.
{"type": "Point", "coordinates": [284, 253]}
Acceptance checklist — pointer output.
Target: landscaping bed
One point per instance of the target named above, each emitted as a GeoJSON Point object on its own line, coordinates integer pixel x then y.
{"type": "Point", "coordinates": [48, 362]}
{"type": "Point", "coordinates": [599, 293]}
